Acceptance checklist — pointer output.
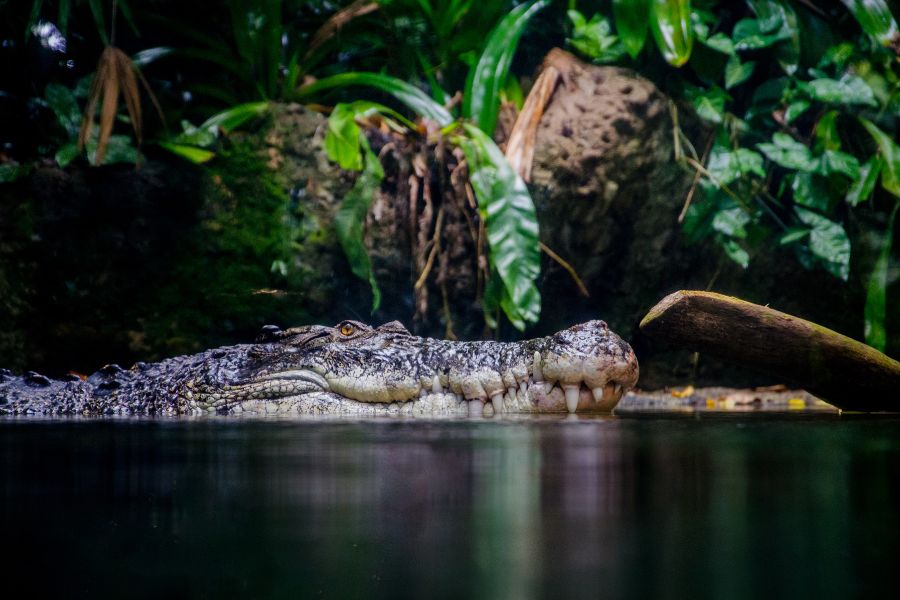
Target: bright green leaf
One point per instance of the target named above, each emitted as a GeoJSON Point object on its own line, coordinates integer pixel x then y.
{"type": "Point", "coordinates": [875, 18]}
{"type": "Point", "coordinates": [481, 101]}
{"type": "Point", "coordinates": [594, 39]}
{"type": "Point", "coordinates": [670, 21]}
{"type": "Point", "coordinates": [827, 137]}
{"type": "Point", "coordinates": [234, 117]}
{"type": "Point", "coordinates": [631, 23]}
{"type": "Point", "coordinates": [66, 154]}
{"type": "Point", "coordinates": [863, 187]}
{"type": "Point", "coordinates": [510, 221]}
{"type": "Point", "coordinates": [721, 43]}
{"type": "Point", "coordinates": [890, 157]}
{"type": "Point", "coordinates": [350, 219]}
{"type": "Point", "coordinates": [794, 234]}
{"type": "Point", "coordinates": [749, 34]}
{"type": "Point", "coordinates": [414, 98]}
{"type": "Point", "coordinates": [795, 109]}
{"type": "Point", "coordinates": [737, 72]}
{"type": "Point", "coordinates": [847, 90]}
{"type": "Point", "coordinates": [192, 153]}
{"type": "Point", "coordinates": [342, 142]}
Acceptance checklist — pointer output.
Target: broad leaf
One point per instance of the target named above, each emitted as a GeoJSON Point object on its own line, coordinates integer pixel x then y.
{"type": "Point", "coordinates": [670, 21]}
{"type": "Point", "coordinates": [795, 109]}
{"type": "Point", "coordinates": [789, 153]}
{"type": "Point", "coordinates": [828, 242]}
{"type": "Point", "coordinates": [511, 223]}
{"type": "Point", "coordinates": [779, 16]}
{"type": "Point", "coordinates": [726, 165]}
{"type": "Point", "coordinates": [750, 34]}
{"type": "Point", "coordinates": [863, 187]}
{"type": "Point", "coordinates": [890, 157]}
{"type": "Point", "coordinates": [234, 117]}
{"type": "Point", "coordinates": [811, 191]}
{"type": "Point", "coordinates": [847, 90]}
{"type": "Point", "coordinates": [731, 222]}
{"type": "Point", "coordinates": [414, 98]}
{"type": "Point", "coordinates": [631, 23]}
{"type": "Point", "coordinates": [350, 219]}
{"type": "Point", "coordinates": [595, 39]}
{"type": "Point", "coordinates": [482, 96]}
{"type": "Point", "coordinates": [833, 161]}
{"type": "Point", "coordinates": [875, 18]}
{"type": "Point", "coordinates": [737, 72]}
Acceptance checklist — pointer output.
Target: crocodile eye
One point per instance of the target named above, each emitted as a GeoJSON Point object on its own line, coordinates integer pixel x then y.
{"type": "Point", "coordinates": [347, 329]}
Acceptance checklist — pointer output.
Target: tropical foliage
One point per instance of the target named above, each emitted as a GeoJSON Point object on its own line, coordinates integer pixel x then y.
{"type": "Point", "coordinates": [799, 103]}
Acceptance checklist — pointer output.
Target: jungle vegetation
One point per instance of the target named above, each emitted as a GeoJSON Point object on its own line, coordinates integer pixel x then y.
{"type": "Point", "coordinates": [800, 101]}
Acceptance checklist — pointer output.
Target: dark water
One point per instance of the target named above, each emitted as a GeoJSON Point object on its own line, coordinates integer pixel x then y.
{"type": "Point", "coordinates": [656, 507]}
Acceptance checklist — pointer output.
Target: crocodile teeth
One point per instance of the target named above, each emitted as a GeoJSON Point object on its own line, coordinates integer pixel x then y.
{"type": "Point", "coordinates": [497, 401]}
{"type": "Point", "coordinates": [598, 393]}
{"type": "Point", "coordinates": [436, 385]}
{"type": "Point", "coordinates": [571, 398]}
{"type": "Point", "coordinates": [536, 367]}
{"type": "Point", "coordinates": [476, 408]}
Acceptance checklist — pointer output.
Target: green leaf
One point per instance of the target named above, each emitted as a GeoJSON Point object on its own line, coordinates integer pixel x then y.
{"type": "Point", "coordinates": [890, 157]}
{"type": "Point", "coordinates": [511, 223]}
{"type": "Point", "coordinates": [828, 242]}
{"type": "Point", "coordinates": [737, 72]}
{"type": "Point", "coordinates": [414, 98]}
{"type": "Point", "coordinates": [779, 16]}
{"type": "Point", "coordinates": [631, 23]}
{"type": "Point", "coordinates": [735, 252]}
{"type": "Point", "coordinates": [863, 187]}
{"type": "Point", "coordinates": [721, 43]}
{"type": "Point", "coordinates": [234, 117]}
{"type": "Point", "coordinates": [709, 103]}
{"type": "Point", "coordinates": [811, 190]}
{"type": "Point", "coordinates": [795, 109]}
{"type": "Point", "coordinates": [670, 21]}
{"type": "Point", "coordinates": [481, 101]}
{"type": "Point", "coordinates": [726, 165]}
{"type": "Point", "coordinates": [731, 222]}
{"type": "Point", "coordinates": [827, 137]}
{"type": "Point", "coordinates": [342, 142]}
{"type": "Point", "coordinates": [833, 161]}
{"type": "Point", "coordinates": [847, 90]}
{"type": "Point", "coordinates": [794, 234]}
{"type": "Point", "coordinates": [66, 154]}
{"type": "Point", "coordinates": [876, 290]}
{"type": "Point", "coordinates": [100, 22]}
{"type": "Point", "coordinates": [751, 34]}
{"type": "Point", "coordinates": [789, 153]}
{"type": "Point", "coordinates": [594, 39]}
{"type": "Point", "coordinates": [191, 153]}
{"type": "Point", "coordinates": [350, 219]}
{"type": "Point", "coordinates": [64, 105]}
{"type": "Point", "coordinates": [875, 18]}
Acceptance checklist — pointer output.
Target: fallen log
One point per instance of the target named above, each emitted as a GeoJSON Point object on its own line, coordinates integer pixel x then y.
{"type": "Point", "coordinates": [840, 370]}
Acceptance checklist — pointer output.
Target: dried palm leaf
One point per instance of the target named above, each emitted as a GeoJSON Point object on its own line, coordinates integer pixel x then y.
{"type": "Point", "coordinates": [115, 73]}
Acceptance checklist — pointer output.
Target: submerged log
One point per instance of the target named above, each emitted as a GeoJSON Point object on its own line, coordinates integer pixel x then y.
{"type": "Point", "coordinates": [840, 370]}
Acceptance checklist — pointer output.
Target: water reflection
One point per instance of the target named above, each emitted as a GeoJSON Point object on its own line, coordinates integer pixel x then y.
{"type": "Point", "coordinates": [525, 509]}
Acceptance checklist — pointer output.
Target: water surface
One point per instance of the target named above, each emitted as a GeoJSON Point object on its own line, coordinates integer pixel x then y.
{"type": "Point", "coordinates": [735, 506]}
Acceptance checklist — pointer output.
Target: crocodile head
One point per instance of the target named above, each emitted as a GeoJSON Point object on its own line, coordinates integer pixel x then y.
{"type": "Point", "coordinates": [353, 368]}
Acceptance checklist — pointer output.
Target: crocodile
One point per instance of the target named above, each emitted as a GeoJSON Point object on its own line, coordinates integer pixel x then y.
{"type": "Point", "coordinates": [350, 369]}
